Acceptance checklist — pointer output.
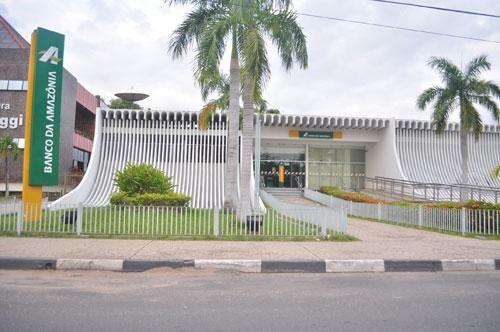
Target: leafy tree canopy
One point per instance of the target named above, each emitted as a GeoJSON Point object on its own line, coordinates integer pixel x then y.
{"type": "Point", "coordinates": [119, 103]}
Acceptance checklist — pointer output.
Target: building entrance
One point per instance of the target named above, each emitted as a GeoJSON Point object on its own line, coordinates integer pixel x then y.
{"type": "Point", "coordinates": [283, 174]}
{"type": "Point", "coordinates": [283, 167]}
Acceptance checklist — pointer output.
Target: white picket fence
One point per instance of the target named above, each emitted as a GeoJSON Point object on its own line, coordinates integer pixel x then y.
{"type": "Point", "coordinates": [159, 222]}
{"type": "Point", "coordinates": [473, 221]}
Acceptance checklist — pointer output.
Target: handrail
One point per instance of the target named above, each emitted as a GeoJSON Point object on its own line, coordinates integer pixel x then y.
{"type": "Point", "coordinates": [431, 191]}
{"type": "Point", "coordinates": [436, 183]}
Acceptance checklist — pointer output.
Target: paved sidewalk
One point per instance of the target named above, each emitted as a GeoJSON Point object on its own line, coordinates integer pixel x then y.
{"type": "Point", "coordinates": [377, 241]}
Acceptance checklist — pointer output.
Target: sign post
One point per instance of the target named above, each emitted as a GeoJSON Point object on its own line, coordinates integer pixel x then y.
{"type": "Point", "coordinates": [43, 109]}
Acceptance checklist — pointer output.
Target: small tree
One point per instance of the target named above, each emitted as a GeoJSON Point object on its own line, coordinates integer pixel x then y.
{"type": "Point", "coordinates": [119, 103]}
{"type": "Point", "coordinates": [8, 148]}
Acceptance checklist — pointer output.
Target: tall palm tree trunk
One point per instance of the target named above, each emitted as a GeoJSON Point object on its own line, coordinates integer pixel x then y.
{"type": "Point", "coordinates": [231, 178]}
{"type": "Point", "coordinates": [247, 147]}
{"type": "Point", "coordinates": [464, 167]}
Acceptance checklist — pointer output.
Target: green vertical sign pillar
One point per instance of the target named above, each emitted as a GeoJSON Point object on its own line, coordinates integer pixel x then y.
{"type": "Point", "coordinates": [46, 114]}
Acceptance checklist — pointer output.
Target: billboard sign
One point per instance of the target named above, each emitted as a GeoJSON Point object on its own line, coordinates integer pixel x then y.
{"type": "Point", "coordinates": [46, 112]}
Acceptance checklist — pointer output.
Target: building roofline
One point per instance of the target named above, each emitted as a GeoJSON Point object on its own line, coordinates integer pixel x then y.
{"type": "Point", "coordinates": [16, 36]}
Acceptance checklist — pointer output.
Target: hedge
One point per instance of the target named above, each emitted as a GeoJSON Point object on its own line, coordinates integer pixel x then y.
{"type": "Point", "coordinates": [170, 199]}
{"type": "Point", "coordinates": [362, 198]}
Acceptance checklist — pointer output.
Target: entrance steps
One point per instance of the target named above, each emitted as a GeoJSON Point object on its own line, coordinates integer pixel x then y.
{"type": "Point", "coordinates": [284, 192]}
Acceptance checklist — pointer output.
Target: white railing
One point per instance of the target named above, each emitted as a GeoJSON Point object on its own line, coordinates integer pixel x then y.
{"type": "Point", "coordinates": [329, 219]}
{"type": "Point", "coordinates": [465, 221]}
{"type": "Point", "coordinates": [158, 222]}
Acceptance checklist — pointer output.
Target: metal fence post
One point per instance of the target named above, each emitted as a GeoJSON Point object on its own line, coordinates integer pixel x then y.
{"type": "Point", "coordinates": [462, 218]}
{"type": "Point", "coordinates": [323, 227]}
{"type": "Point", "coordinates": [420, 216]}
{"type": "Point", "coordinates": [216, 221]}
{"type": "Point", "coordinates": [20, 217]}
{"type": "Point", "coordinates": [379, 211]}
{"type": "Point", "coordinates": [79, 219]}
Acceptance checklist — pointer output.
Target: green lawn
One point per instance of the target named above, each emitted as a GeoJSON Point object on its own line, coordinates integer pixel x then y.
{"type": "Point", "coordinates": [168, 223]}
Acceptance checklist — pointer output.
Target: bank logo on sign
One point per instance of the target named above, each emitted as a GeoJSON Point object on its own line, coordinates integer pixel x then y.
{"type": "Point", "coordinates": [50, 54]}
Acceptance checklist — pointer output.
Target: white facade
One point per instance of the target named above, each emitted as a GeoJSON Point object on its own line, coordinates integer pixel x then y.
{"type": "Point", "coordinates": [195, 159]}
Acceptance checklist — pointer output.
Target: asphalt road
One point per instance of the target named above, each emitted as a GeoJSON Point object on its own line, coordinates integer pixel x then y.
{"type": "Point", "coordinates": [208, 301]}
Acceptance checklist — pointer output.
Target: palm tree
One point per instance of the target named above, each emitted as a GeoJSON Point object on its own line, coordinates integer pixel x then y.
{"type": "Point", "coordinates": [8, 148]}
{"type": "Point", "coordinates": [245, 23]}
{"type": "Point", "coordinates": [276, 21]}
{"type": "Point", "coordinates": [463, 90]}
{"type": "Point", "coordinates": [208, 26]}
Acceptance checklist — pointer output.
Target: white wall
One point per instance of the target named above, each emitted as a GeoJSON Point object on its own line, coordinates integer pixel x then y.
{"type": "Point", "coordinates": [382, 158]}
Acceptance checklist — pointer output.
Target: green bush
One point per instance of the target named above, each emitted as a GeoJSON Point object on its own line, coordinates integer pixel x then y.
{"type": "Point", "coordinates": [170, 199]}
{"type": "Point", "coordinates": [141, 179]}
{"type": "Point", "coordinates": [144, 185]}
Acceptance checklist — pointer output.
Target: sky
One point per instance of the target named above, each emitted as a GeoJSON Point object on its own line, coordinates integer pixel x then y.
{"type": "Point", "coordinates": [354, 70]}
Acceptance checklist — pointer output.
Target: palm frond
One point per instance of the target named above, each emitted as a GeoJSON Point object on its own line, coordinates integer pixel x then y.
{"type": "Point", "coordinates": [288, 37]}
{"type": "Point", "coordinates": [445, 102]}
{"type": "Point", "coordinates": [470, 119]}
{"type": "Point", "coordinates": [428, 96]}
{"type": "Point", "coordinates": [488, 104]}
{"type": "Point", "coordinates": [205, 114]}
{"type": "Point", "coordinates": [476, 66]}
{"type": "Point", "coordinates": [189, 31]}
{"type": "Point", "coordinates": [212, 44]}
{"type": "Point", "coordinates": [255, 63]}
{"type": "Point", "coordinates": [450, 74]}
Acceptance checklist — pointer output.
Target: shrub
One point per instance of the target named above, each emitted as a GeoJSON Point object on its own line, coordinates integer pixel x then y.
{"type": "Point", "coordinates": [469, 205]}
{"type": "Point", "coordinates": [118, 198]}
{"type": "Point", "coordinates": [170, 199]}
{"type": "Point", "coordinates": [141, 179]}
{"type": "Point", "coordinates": [150, 199]}
{"type": "Point", "coordinates": [350, 196]}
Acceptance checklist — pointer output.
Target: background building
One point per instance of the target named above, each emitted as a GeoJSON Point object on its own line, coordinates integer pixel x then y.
{"type": "Point", "coordinates": [78, 109]}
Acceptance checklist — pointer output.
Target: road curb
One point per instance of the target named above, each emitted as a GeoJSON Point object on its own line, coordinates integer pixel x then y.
{"type": "Point", "coordinates": [130, 265]}
{"type": "Point", "coordinates": [343, 266]}
{"type": "Point", "coordinates": [27, 263]}
{"type": "Point", "coordinates": [240, 265]}
{"type": "Point", "coordinates": [293, 266]}
{"type": "Point", "coordinates": [254, 266]}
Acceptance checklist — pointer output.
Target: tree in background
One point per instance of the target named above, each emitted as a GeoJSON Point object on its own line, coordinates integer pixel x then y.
{"type": "Point", "coordinates": [496, 171]}
{"type": "Point", "coordinates": [462, 90]}
{"type": "Point", "coordinates": [8, 149]}
{"type": "Point", "coordinates": [119, 103]}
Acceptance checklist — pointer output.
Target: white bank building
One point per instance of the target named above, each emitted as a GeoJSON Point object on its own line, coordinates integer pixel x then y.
{"type": "Point", "coordinates": [295, 152]}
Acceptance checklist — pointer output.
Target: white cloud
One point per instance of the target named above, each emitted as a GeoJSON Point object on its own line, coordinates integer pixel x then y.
{"type": "Point", "coordinates": [354, 70]}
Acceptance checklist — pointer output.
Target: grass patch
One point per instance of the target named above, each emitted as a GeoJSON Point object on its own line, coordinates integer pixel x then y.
{"type": "Point", "coordinates": [115, 222]}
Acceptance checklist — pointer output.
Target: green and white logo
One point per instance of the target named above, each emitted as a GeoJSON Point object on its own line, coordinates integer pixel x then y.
{"type": "Point", "coordinates": [45, 121]}
{"type": "Point", "coordinates": [50, 54]}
